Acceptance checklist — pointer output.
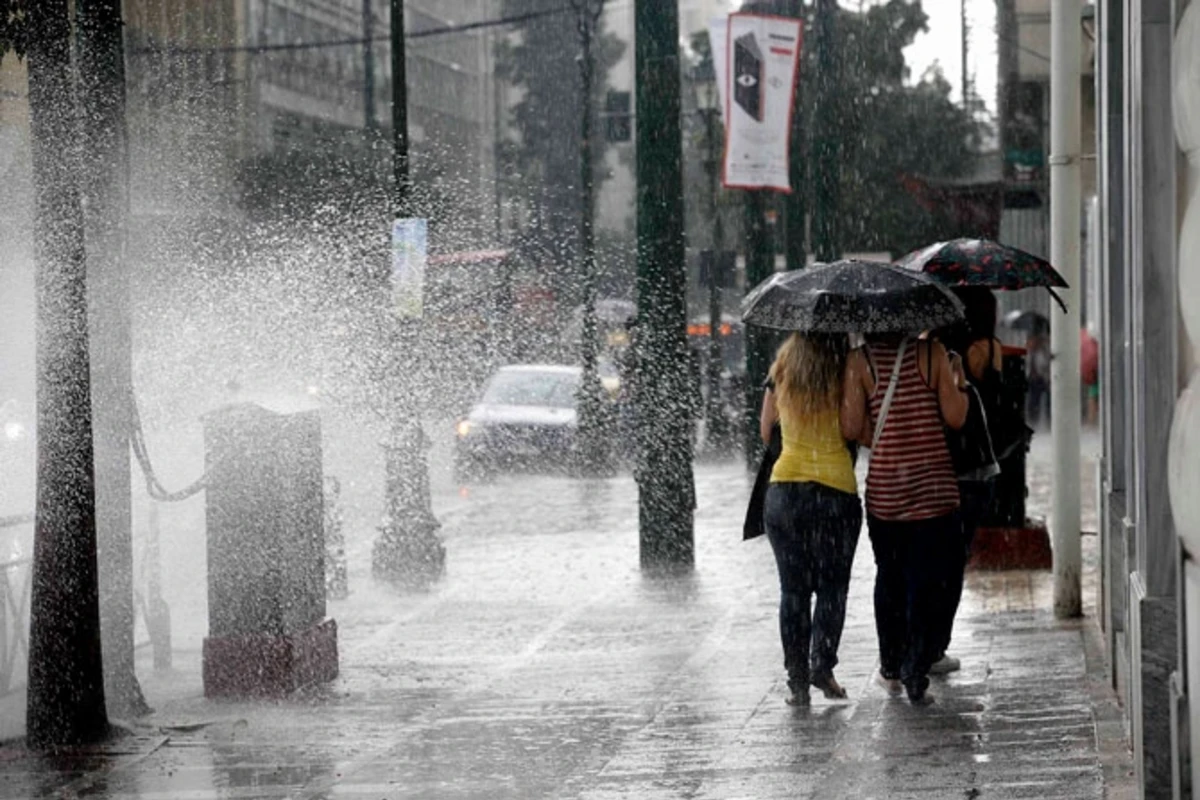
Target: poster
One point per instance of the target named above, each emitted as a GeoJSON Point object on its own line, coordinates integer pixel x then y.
{"type": "Point", "coordinates": [757, 61]}
{"type": "Point", "coordinates": [410, 239]}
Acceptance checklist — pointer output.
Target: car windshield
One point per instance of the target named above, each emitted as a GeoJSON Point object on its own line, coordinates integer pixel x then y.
{"type": "Point", "coordinates": [513, 388]}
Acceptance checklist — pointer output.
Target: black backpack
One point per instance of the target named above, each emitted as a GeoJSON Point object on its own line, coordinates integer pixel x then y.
{"type": "Point", "coordinates": [971, 446]}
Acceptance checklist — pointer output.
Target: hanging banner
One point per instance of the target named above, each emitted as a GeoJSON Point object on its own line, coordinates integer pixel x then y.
{"type": "Point", "coordinates": [410, 245]}
{"type": "Point", "coordinates": [757, 62]}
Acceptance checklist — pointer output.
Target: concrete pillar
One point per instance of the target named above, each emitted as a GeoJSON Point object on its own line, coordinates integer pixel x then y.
{"type": "Point", "coordinates": [1066, 41]}
{"type": "Point", "coordinates": [1110, 73]}
{"type": "Point", "coordinates": [1183, 462]}
{"type": "Point", "coordinates": [1153, 326]}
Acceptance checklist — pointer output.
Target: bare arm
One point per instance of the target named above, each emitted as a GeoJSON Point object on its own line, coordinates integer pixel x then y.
{"type": "Point", "coordinates": [982, 354]}
{"type": "Point", "coordinates": [853, 415]}
{"type": "Point", "coordinates": [768, 416]}
{"type": "Point", "coordinates": [947, 378]}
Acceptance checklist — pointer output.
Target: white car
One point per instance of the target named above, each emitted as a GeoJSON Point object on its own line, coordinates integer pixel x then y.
{"type": "Point", "coordinates": [526, 417]}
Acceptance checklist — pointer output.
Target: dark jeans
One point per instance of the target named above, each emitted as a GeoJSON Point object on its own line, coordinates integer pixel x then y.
{"type": "Point", "coordinates": [912, 560]}
{"type": "Point", "coordinates": [814, 531]}
{"type": "Point", "coordinates": [976, 498]}
{"type": "Point", "coordinates": [1037, 402]}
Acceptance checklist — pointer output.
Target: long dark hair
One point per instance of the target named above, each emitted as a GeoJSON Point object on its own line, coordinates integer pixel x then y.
{"type": "Point", "coordinates": [979, 320]}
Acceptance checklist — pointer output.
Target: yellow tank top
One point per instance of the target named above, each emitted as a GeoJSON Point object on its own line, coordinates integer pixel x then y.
{"type": "Point", "coordinates": [814, 451]}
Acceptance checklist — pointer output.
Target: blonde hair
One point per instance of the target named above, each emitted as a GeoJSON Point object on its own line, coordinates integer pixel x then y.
{"type": "Point", "coordinates": [807, 373]}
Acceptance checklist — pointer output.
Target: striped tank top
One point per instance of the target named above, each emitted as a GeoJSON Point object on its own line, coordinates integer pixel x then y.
{"type": "Point", "coordinates": [910, 476]}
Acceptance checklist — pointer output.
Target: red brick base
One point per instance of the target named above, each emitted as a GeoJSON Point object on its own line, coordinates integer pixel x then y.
{"type": "Point", "coordinates": [1012, 548]}
{"type": "Point", "coordinates": [273, 666]}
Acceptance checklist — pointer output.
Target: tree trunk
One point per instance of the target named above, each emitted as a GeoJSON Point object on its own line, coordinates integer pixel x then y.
{"type": "Point", "coordinates": [66, 676]}
{"type": "Point", "coordinates": [104, 182]}
{"type": "Point", "coordinates": [664, 472]}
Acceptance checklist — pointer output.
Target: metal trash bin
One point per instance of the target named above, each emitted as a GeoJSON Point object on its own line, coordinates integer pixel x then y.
{"type": "Point", "coordinates": [266, 554]}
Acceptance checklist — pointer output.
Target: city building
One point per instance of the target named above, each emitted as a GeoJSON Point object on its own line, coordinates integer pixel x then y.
{"type": "Point", "coordinates": [1148, 79]}
{"type": "Point", "coordinates": [615, 207]}
{"type": "Point", "coordinates": [1023, 50]}
{"type": "Point", "coordinates": [223, 93]}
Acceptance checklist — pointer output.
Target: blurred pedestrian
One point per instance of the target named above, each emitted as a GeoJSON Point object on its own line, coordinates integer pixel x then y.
{"type": "Point", "coordinates": [627, 368]}
{"type": "Point", "coordinates": [897, 394]}
{"type": "Point", "coordinates": [812, 512]}
{"type": "Point", "coordinates": [1089, 375]}
{"type": "Point", "coordinates": [976, 463]}
{"type": "Point", "coordinates": [1037, 371]}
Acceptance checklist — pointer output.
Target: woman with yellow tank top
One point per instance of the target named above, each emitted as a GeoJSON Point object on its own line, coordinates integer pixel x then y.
{"type": "Point", "coordinates": [812, 513]}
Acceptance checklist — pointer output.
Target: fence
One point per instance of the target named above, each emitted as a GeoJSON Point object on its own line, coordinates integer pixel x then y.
{"type": "Point", "coordinates": [15, 575]}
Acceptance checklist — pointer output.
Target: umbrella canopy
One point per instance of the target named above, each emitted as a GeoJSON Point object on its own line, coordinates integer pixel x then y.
{"type": "Point", "coordinates": [1030, 321]}
{"type": "Point", "coordinates": [982, 262]}
{"type": "Point", "coordinates": [851, 297]}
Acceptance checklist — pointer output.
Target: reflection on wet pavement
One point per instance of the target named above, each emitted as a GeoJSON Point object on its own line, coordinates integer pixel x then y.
{"type": "Point", "coordinates": [546, 665]}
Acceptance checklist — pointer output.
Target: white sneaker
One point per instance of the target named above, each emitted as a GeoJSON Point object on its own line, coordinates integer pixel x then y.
{"type": "Point", "coordinates": [945, 665]}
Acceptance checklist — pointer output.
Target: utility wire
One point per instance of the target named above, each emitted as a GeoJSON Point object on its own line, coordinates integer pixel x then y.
{"type": "Point", "coordinates": [354, 41]}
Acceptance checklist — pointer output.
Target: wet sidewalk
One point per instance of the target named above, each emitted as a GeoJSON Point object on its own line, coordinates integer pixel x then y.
{"type": "Point", "coordinates": [546, 665]}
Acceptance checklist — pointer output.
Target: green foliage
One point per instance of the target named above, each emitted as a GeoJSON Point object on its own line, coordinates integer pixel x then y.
{"type": "Point", "coordinates": [889, 130]}
{"type": "Point", "coordinates": [886, 128]}
{"type": "Point", "coordinates": [541, 161]}
{"type": "Point", "coordinates": [14, 34]}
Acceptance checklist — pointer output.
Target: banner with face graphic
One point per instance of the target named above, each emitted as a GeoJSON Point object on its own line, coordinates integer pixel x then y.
{"type": "Point", "coordinates": [756, 58]}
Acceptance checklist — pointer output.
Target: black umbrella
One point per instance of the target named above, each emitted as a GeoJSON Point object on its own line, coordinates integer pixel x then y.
{"type": "Point", "coordinates": [851, 297]}
{"type": "Point", "coordinates": [1030, 321]}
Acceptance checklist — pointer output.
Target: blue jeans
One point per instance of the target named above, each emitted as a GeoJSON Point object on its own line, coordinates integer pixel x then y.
{"type": "Point", "coordinates": [912, 563]}
{"type": "Point", "coordinates": [813, 530]}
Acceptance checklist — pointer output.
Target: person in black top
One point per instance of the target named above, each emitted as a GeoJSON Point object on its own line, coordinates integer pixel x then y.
{"type": "Point", "coordinates": [975, 341]}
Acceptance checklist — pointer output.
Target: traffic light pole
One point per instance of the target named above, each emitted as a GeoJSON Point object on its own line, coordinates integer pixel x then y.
{"type": "Point", "coordinates": [408, 550]}
{"type": "Point", "coordinates": [592, 439]}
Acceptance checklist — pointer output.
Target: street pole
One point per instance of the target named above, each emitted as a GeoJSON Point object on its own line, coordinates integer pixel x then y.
{"type": "Point", "coordinates": [106, 200]}
{"type": "Point", "coordinates": [1066, 42]}
{"type": "Point", "coordinates": [826, 147]}
{"type": "Point", "coordinates": [760, 263]}
{"type": "Point", "coordinates": [716, 433]}
{"type": "Point", "coordinates": [667, 495]}
{"type": "Point", "coordinates": [370, 121]}
{"type": "Point", "coordinates": [795, 207]}
{"type": "Point", "coordinates": [965, 32]}
{"type": "Point", "coordinates": [65, 704]}
{"type": "Point", "coordinates": [590, 422]}
{"type": "Point", "coordinates": [409, 549]}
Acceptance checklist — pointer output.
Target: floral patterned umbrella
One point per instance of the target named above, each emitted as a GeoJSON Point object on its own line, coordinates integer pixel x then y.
{"type": "Point", "coordinates": [982, 262]}
{"type": "Point", "coordinates": [851, 297]}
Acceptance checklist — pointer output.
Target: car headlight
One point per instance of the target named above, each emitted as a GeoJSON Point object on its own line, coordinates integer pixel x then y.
{"type": "Point", "coordinates": [463, 428]}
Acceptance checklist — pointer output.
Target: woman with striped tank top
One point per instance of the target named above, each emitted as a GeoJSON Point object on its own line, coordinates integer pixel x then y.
{"type": "Point", "coordinates": [898, 392]}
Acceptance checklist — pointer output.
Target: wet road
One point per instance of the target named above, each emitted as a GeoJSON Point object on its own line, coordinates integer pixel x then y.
{"type": "Point", "coordinates": [545, 664]}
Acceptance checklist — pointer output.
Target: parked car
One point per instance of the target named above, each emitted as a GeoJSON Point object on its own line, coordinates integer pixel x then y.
{"type": "Point", "coordinates": [526, 418]}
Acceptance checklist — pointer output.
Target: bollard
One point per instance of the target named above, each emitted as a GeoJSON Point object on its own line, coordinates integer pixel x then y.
{"type": "Point", "coordinates": [266, 562]}
{"type": "Point", "coordinates": [156, 611]}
